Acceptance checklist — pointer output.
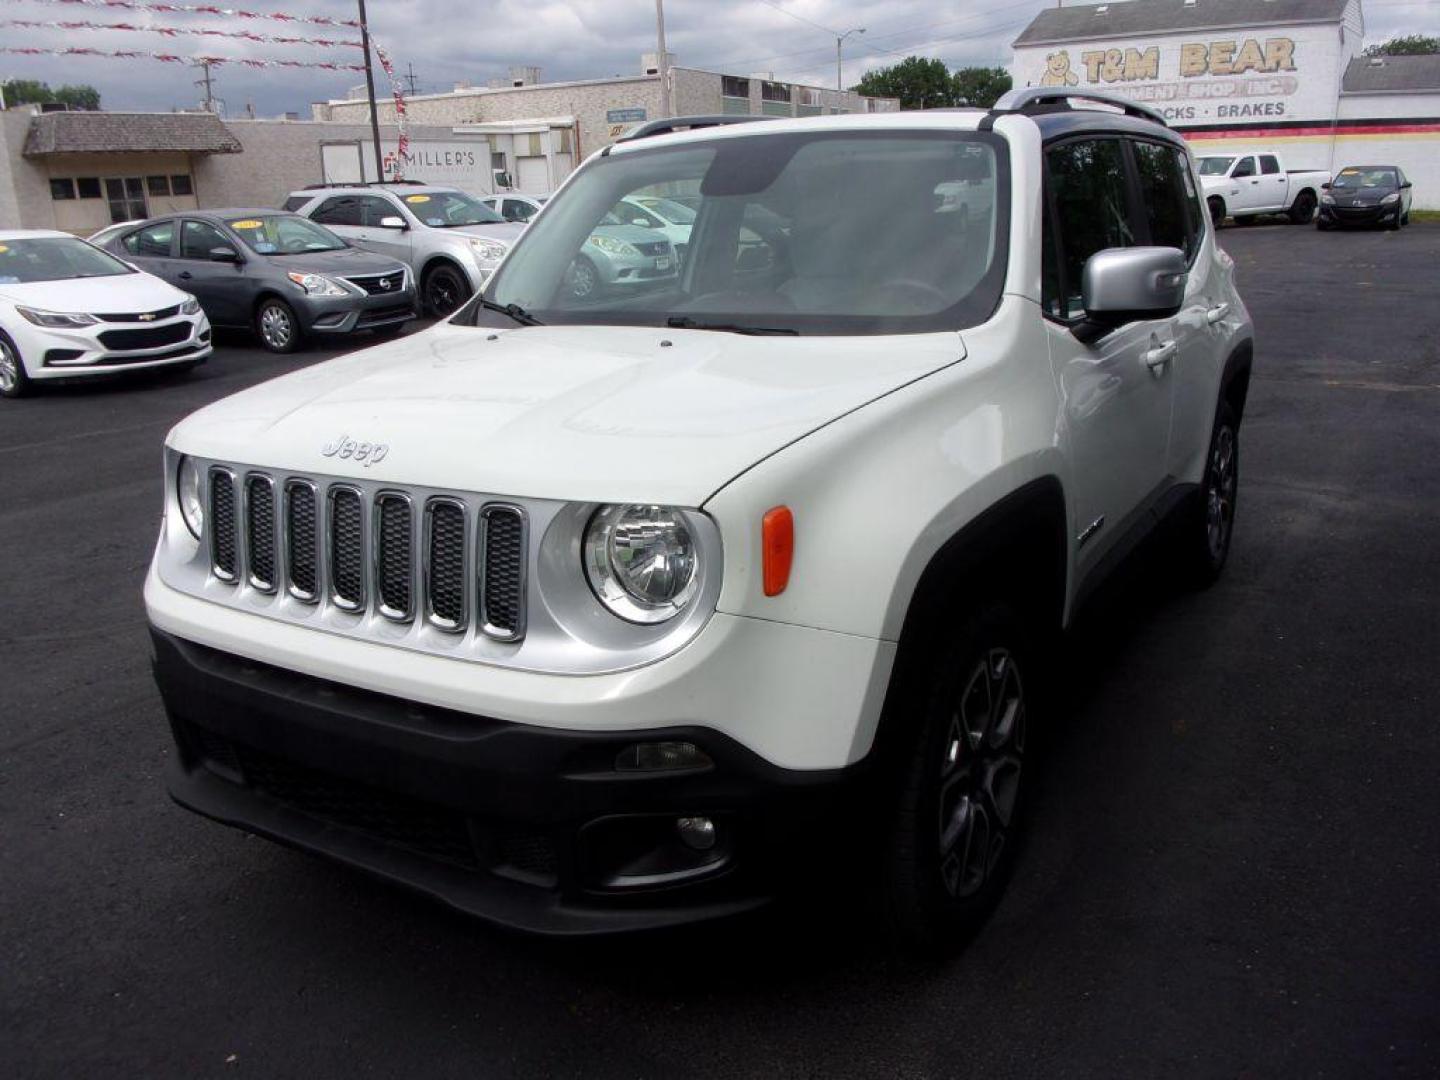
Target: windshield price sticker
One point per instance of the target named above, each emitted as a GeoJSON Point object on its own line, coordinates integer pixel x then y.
{"type": "Point", "coordinates": [3, 249]}
{"type": "Point", "coordinates": [417, 198]}
{"type": "Point", "coordinates": [247, 224]}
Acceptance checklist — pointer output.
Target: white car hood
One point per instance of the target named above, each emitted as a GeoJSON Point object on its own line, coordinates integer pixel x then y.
{"type": "Point", "coordinates": [584, 413]}
{"type": "Point", "coordinates": [509, 231]}
{"type": "Point", "coordinates": [120, 293]}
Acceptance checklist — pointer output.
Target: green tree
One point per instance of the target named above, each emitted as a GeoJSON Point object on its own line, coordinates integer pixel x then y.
{"type": "Point", "coordinates": [34, 92]}
{"type": "Point", "coordinates": [919, 83]}
{"type": "Point", "coordinates": [1408, 45]}
{"type": "Point", "coordinates": [979, 87]}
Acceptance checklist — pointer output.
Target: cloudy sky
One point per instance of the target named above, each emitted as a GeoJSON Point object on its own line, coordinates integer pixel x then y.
{"type": "Point", "coordinates": [450, 40]}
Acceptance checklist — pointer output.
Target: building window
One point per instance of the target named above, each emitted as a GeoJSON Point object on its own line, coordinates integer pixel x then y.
{"type": "Point", "coordinates": [774, 91]}
{"type": "Point", "coordinates": [62, 189]}
{"type": "Point", "coordinates": [126, 196]}
{"type": "Point", "coordinates": [157, 185]}
{"type": "Point", "coordinates": [180, 185]}
{"type": "Point", "coordinates": [810, 102]}
{"type": "Point", "coordinates": [88, 187]}
{"type": "Point", "coordinates": [733, 86]}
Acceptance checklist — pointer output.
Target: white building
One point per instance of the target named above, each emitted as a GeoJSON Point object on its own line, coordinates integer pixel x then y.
{"type": "Point", "coordinates": [1251, 74]}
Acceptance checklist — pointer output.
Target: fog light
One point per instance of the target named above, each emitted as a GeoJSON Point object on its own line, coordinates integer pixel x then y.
{"type": "Point", "coordinates": [655, 756]}
{"type": "Point", "coordinates": [697, 832]}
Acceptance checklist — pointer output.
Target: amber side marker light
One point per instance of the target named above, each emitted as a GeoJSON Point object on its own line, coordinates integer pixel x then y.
{"type": "Point", "coordinates": [777, 542]}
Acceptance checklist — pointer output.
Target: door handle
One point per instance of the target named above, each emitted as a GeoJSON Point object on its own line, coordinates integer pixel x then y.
{"type": "Point", "coordinates": [1158, 357]}
{"type": "Point", "coordinates": [1216, 313]}
{"type": "Point", "coordinates": [185, 275]}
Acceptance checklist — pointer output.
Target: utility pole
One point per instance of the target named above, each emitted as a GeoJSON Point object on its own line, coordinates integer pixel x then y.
{"type": "Point", "coordinates": [410, 77]}
{"type": "Point", "coordinates": [662, 62]}
{"type": "Point", "coordinates": [209, 90]}
{"type": "Point", "coordinates": [839, 61]}
{"type": "Point", "coordinates": [370, 94]}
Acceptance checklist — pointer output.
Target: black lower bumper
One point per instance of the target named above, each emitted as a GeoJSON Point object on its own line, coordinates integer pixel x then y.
{"type": "Point", "coordinates": [1359, 216]}
{"type": "Point", "coordinates": [533, 828]}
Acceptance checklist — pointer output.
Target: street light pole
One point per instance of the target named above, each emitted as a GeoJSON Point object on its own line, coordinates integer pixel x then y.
{"type": "Point", "coordinates": [370, 93]}
{"type": "Point", "coordinates": [839, 61]}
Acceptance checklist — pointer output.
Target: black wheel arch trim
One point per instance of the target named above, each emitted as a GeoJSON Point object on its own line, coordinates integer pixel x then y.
{"type": "Point", "coordinates": [1235, 380]}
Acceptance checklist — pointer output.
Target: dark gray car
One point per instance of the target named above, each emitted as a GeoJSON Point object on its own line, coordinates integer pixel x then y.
{"type": "Point", "coordinates": [273, 272]}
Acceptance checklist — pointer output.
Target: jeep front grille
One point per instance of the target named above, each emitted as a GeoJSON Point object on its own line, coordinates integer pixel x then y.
{"type": "Point", "coordinates": [449, 563]}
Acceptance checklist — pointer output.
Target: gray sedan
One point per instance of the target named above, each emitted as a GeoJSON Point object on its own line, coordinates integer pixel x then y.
{"type": "Point", "coordinates": [273, 272]}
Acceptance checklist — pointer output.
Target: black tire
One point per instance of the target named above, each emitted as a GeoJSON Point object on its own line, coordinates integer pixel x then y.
{"type": "Point", "coordinates": [1208, 524]}
{"type": "Point", "coordinates": [1303, 209]}
{"type": "Point", "coordinates": [958, 810]}
{"type": "Point", "coordinates": [582, 279]}
{"type": "Point", "coordinates": [1405, 218]}
{"type": "Point", "coordinates": [445, 291]}
{"type": "Point", "coordinates": [1248, 219]}
{"type": "Point", "coordinates": [14, 383]}
{"type": "Point", "coordinates": [276, 326]}
{"type": "Point", "coordinates": [1217, 212]}
{"type": "Point", "coordinates": [1322, 224]}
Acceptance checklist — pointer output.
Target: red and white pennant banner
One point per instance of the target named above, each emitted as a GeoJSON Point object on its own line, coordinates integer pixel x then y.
{"type": "Point", "coordinates": [178, 31]}
{"type": "Point", "coordinates": [402, 139]}
{"type": "Point", "coordinates": [171, 58]}
{"type": "Point", "coordinates": [161, 8]}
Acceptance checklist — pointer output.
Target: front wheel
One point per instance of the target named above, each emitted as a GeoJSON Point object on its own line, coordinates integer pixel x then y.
{"type": "Point", "coordinates": [445, 290]}
{"type": "Point", "coordinates": [1209, 522]}
{"type": "Point", "coordinates": [276, 326]}
{"type": "Point", "coordinates": [1217, 212]}
{"type": "Point", "coordinates": [956, 821]}
{"type": "Point", "coordinates": [1303, 208]}
{"type": "Point", "coordinates": [14, 382]}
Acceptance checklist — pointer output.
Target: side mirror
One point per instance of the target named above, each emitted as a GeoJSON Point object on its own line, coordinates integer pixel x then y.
{"type": "Point", "coordinates": [393, 221]}
{"type": "Point", "coordinates": [1405, 185]}
{"type": "Point", "coordinates": [1325, 186]}
{"type": "Point", "coordinates": [502, 178]}
{"type": "Point", "coordinates": [1125, 285]}
{"type": "Point", "coordinates": [641, 222]}
{"type": "Point", "coordinates": [224, 254]}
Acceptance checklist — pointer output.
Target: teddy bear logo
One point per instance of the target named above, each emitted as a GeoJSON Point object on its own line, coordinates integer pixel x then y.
{"type": "Point", "coordinates": [1057, 70]}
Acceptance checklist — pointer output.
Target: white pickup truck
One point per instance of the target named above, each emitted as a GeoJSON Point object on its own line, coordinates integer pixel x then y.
{"type": "Point", "coordinates": [1243, 186]}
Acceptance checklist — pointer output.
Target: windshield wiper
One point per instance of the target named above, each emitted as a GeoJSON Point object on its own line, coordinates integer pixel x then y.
{"type": "Point", "coordinates": [515, 311]}
{"type": "Point", "coordinates": [684, 322]}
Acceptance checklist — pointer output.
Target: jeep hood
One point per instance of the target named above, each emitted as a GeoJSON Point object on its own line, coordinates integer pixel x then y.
{"type": "Point", "coordinates": [584, 413]}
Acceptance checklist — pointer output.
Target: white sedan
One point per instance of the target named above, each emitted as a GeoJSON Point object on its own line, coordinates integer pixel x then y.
{"type": "Point", "coordinates": [68, 309]}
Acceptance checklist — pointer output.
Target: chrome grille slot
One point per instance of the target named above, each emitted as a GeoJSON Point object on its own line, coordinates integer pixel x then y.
{"type": "Point", "coordinates": [302, 555]}
{"type": "Point", "coordinates": [503, 531]}
{"type": "Point", "coordinates": [445, 577]}
{"type": "Point", "coordinates": [345, 542]}
{"type": "Point", "coordinates": [223, 558]}
{"type": "Point", "coordinates": [260, 531]}
{"type": "Point", "coordinates": [394, 555]}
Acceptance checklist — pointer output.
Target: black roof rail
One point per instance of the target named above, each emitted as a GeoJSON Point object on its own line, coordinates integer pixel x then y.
{"type": "Point", "coordinates": [685, 123]}
{"type": "Point", "coordinates": [363, 183]}
{"type": "Point", "coordinates": [1032, 98]}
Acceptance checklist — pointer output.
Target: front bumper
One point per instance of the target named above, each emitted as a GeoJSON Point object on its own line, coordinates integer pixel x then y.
{"type": "Point", "coordinates": [348, 314]}
{"type": "Point", "coordinates": [1359, 215]}
{"type": "Point", "coordinates": [106, 348]}
{"type": "Point", "coordinates": [530, 827]}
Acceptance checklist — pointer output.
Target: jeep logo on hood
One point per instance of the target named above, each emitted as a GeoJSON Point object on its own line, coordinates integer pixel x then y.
{"type": "Point", "coordinates": [366, 453]}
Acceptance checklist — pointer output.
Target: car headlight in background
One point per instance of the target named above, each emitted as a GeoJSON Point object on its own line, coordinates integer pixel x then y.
{"type": "Point", "coordinates": [1391, 199]}
{"type": "Point", "coordinates": [187, 494]}
{"type": "Point", "coordinates": [190, 307]}
{"type": "Point", "coordinates": [641, 561]}
{"type": "Point", "coordinates": [1327, 200]}
{"type": "Point", "coordinates": [611, 246]}
{"type": "Point", "coordinates": [57, 320]}
{"type": "Point", "coordinates": [488, 250]}
{"type": "Point", "coordinates": [318, 285]}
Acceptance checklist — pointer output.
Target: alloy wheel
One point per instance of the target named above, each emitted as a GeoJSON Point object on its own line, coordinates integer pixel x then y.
{"type": "Point", "coordinates": [980, 773]}
{"type": "Point", "coordinates": [1220, 493]}
{"type": "Point", "coordinates": [583, 280]}
{"type": "Point", "coordinates": [276, 327]}
{"type": "Point", "coordinates": [9, 369]}
{"type": "Point", "coordinates": [441, 294]}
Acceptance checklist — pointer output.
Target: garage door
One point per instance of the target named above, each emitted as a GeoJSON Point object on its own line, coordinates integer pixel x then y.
{"type": "Point", "coordinates": [534, 176]}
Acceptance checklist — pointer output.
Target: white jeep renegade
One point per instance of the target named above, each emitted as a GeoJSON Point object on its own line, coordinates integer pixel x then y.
{"type": "Point", "coordinates": [624, 611]}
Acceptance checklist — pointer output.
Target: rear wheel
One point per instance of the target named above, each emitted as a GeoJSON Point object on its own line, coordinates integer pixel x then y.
{"type": "Point", "coordinates": [445, 289]}
{"type": "Point", "coordinates": [1303, 209]}
{"type": "Point", "coordinates": [957, 816]}
{"type": "Point", "coordinates": [1217, 212]}
{"type": "Point", "coordinates": [1210, 520]}
{"type": "Point", "coordinates": [14, 382]}
{"type": "Point", "coordinates": [276, 325]}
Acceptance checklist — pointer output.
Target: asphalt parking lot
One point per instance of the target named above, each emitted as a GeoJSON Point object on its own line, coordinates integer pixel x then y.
{"type": "Point", "coordinates": [1234, 864]}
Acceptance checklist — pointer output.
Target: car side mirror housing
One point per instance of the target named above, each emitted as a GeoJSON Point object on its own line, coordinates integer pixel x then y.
{"type": "Point", "coordinates": [1125, 285]}
{"type": "Point", "coordinates": [1405, 185]}
{"type": "Point", "coordinates": [225, 255]}
{"type": "Point", "coordinates": [1325, 186]}
{"type": "Point", "coordinates": [393, 221]}
{"type": "Point", "coordinates": [502, 178]}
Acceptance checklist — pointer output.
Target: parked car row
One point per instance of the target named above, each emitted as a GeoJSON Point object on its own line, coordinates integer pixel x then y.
{"type": "Point", "coordinates": [1246, 186]}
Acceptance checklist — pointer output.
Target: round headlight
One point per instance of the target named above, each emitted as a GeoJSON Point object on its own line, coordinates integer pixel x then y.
{"type": "Point", "coordinates": [641, 561]}
{"type": "Point", "coordinates": [187, 493]}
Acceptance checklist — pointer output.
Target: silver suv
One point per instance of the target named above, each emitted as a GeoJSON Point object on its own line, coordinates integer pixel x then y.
{"type": "Point", "coordinates": [450, 240]}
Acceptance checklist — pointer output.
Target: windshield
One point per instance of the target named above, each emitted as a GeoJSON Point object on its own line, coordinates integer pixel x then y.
{"type": "Point", "coordinates": [447, 209]}
{"type": "Point", "coordinates": [1358, 178]}
{"type": "Point", "coordinates": [285, 234]}
{"type": "Point", "coordinates": [54, 258]}
{"type": "Point", "coordinates": [673, 212]}
{"type": "Point", "coordinates": [813, 232]}
{"type": "Point", "coordinates": [1215, 166]}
